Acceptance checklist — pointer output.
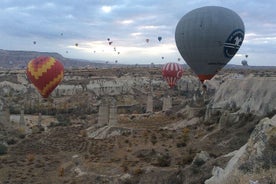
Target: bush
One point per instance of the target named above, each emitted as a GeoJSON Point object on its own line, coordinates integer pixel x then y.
{"type": "Point", "coordinates": [163, 160]}
{"type": "Point", "coordinates": [63, 120]}
{"type": "Point", "coordinates": [153, 139]}
{"type": "Point", "coordinates": [3, 149]}
{"type": "Point", "coordinates": [11, 141]}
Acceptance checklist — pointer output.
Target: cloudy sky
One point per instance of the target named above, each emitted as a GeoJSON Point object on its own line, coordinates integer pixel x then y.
{"type": "Point", "coordinates": [58, 25]}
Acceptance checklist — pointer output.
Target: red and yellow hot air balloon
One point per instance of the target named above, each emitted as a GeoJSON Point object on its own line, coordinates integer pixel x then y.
{"type": "Point", "coordinates": [172, 72]}
{"type": "Point", "coordinates": [45, 73]}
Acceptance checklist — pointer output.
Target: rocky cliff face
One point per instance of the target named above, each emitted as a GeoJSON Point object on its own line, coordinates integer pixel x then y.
{"type": "Point", "coordinates": [257, 155]}
{"type": "Point", "coordinates": [255, 95]}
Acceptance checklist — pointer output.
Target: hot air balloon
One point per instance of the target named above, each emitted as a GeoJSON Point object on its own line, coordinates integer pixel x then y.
{"type": "Point", "coordinates": [45, 73]}
{"type": "Point", "coordinates": [244, 63]}
{"type": "Point", "coordinates": [147, 40]}
{"type": "Point", "coordinates": [172, 72]}
{"type": "Point", "coordinates": [246, 56]}
{"type": "Point", "coordinates": [159, 38]}
{"type": "Point", "coordinates": [162, 57]}
{"type": "Point", "coordinates": [76, 44]}
{"type": "Point", "coordinates": [34, 42]}
{"type": "Point", "coordinates": [207, 38]}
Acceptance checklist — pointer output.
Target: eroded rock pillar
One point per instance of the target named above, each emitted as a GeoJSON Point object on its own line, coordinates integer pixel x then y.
{"type": "Point", "coordinates": [113, 120]}
{"type": "Point", "coordinates": [103, 113]}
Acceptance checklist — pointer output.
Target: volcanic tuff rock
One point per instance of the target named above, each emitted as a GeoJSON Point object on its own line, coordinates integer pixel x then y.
{"type": "Point", "coordinates": [258, 153]}
{"type": "Point", "coordinates": [106, 132]}
{"type": "Point", "coordinates": [249, 95]}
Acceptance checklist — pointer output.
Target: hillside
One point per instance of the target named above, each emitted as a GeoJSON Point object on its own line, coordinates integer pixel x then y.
{"type": "Point", "coordinates": [19, 59]}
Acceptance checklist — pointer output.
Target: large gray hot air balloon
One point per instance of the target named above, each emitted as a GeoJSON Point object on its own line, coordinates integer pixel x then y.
{"type": "Point", "coordinates": [207, 38]}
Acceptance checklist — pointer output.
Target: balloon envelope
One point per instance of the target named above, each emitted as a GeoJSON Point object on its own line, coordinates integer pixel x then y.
{"type": "Point", "coordinates": [244, 63]}
{"type": "Point", "coordinates": [159, 38]}
{"type": "Point", "coordinates": [207, 38]}
{"type": "Point", "coordinates": [45, 73]}
{"type": "Point", "coordinates": [172, 72]}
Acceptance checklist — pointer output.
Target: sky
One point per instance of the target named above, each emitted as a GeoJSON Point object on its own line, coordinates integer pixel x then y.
{"type": "Point", "coordinates": [58, 25]}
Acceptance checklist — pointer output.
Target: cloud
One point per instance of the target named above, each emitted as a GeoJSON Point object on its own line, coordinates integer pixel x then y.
{"type": "Point", "coordinates": [127, 22]}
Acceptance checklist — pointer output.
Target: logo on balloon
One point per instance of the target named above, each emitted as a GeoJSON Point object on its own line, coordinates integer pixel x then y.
{"type": "Point", "coordinates": [233, 43]}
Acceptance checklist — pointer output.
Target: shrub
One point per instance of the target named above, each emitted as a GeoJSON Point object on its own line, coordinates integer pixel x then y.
{"type": "Point", "coordinates": [186, 159]}
{"type": "Point", "coordinates": [3, 149]}
{"type": "Point", "coordinates": [137, 171]}
{"type": "Point", "coordinates": [30, 157]}
{"type": "Point", "coordinates": [153, 139]}
{"type": "Point", "coordinates": [181, 144]}
{"type": "Point", "coordinates": [63, 120]}
{"type": "Point", "coordinates": [11, 141]}
{"type": "Point", "coordinates": [163, 160]}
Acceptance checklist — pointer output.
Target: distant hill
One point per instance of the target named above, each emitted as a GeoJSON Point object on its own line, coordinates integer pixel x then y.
{"type": "Point", "coordinates": [232, 66]}
{"type": "Point", "coordinates": [19, 59]}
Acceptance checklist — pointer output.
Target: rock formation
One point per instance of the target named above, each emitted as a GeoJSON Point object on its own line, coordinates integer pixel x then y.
{"type": "Point", "coordinates": [249, 95]}
{"type": "Point", "coordinates": [258, 154]}
{"type": "Point", "coordinates": [113, 120]}
{"type": "Point", "coordinates": [103, 113]}
{"type": "Point", "coordinates": [167, 103]}
{"type": "Point", "coordinates": [150, 103]}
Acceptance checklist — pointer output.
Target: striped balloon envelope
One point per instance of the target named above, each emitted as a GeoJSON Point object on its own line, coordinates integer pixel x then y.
{"type": "Point", "coordinates": [172, 72]}
{"type": "Point", "coordinates": [45, 73]}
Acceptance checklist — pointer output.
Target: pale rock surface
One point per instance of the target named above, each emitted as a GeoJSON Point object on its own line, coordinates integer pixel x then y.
{"type": "Point", "coordinates": [106, 132]}
{"type": "Point", "coordinates": [255, 95]}
{"type": "Point", "coordinates": [251, 155]}
{"type": "Point", "coordinates": [6, 86]}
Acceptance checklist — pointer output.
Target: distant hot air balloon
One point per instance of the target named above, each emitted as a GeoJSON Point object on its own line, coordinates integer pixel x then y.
{"type": "Point", "coordinates": [159, 38]}
{"type": "Point", "coordinates": [162, 57]}
{"type": "Point", "coordinates": [34, 42]}
{"type": "Point", "coordinates": [246, 56]}
{"type": "Point", "coordinates": [207, 38]}
{"type": "Point", "coordinates": [108, 39]}
{"type": "Point", "coordinates": [244, 63]}
{"type": "Point", "coordinates": [172, 72]}
{"type": "Point", "coordinates": [76, 44]}
{"type": "Point", "coordinates": [45, 73]}
{"type": "Point", "coordinates": [147, 40]}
